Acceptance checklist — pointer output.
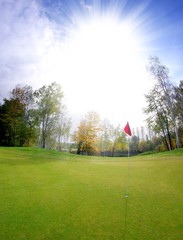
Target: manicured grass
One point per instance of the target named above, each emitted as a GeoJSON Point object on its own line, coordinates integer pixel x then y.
{"type": "Point", "coordinates": [51, 195]}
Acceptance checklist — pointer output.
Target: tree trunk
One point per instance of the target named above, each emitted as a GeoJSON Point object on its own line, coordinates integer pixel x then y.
{"type": "Point", "coordinates": [113, 149]}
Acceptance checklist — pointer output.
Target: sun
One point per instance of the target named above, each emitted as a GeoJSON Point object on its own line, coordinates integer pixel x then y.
{"type": "Point", "coordinates": [102, 65]}
{"type": "Point", "coordinates": [106, 43]}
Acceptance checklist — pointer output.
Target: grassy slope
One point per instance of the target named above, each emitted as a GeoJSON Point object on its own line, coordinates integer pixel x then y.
{"type": "Point", "coordinates": [51, 195]}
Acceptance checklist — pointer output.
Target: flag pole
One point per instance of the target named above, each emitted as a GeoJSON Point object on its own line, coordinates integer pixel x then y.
{"type": "Point", "coordinates": [128, 146]}
{"type": "Point", "coordinates": [128, 171]}
{"type": "Point", "coordinates": [128, 131]}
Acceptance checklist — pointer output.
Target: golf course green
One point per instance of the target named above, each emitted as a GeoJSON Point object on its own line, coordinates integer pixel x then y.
{"type": "Point", "coordinates": [45, 194]}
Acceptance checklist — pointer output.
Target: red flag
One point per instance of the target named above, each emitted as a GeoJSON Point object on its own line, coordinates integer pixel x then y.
{"type": "Point", "coordinates": [127, 129]}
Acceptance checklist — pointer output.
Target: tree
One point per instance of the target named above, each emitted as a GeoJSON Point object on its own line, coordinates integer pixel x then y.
{"type": "Point", "coordinates": [164, 90]}
{"type": "Point", "coordinates": [105, 137]}
{"type": "Point", "coordinates": [29, 112]}
{"type": "Point", "coordinates": [26, 97]}
{"type": "Point", "coordinates": [179, 101]}
{"type": "Point", "coordinates": [86, 136]}
{"type": "Point", "coordinates": [18, 116]}
{"type": "Point", "coordinates": [63, 129]}
{"type": "Point", "coordinates": [134, 145]}
{"type": "Point", "coordinates": [49, 102]}
{"type": "Point", "coordinates": [118, 139]}
{"type": "Point", "coordinates": [159, 118]}
{"type": "Point", "coordinates": [11, 122]}
{"type": "Point", "coordinates": [179, 108]}
{"type": "Point", "coordinates": [24, 94]}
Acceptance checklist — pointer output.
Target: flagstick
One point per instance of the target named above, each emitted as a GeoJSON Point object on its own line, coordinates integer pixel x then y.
{"type": "Point", "coordinates": [128, 146]}
{"type": "Point", "coordinates": [128, 175]}
{"type": "Point", "coordinates": [128, 131]}
{"type": "Point", "coordinates": [126, 194]}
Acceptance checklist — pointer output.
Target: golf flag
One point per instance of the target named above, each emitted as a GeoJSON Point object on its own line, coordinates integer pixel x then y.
{"type": "Point", "coordinates": [127, 129]}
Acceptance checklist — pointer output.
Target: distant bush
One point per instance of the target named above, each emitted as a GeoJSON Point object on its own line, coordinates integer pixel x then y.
{"type": "Point", "coordinates": [148, 153]}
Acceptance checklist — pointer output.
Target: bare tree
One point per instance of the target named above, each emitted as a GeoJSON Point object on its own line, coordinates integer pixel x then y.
{"type": "Point", "coordinates": [164, 88]}
{"type": "Point", "coordinates": [49, 100]}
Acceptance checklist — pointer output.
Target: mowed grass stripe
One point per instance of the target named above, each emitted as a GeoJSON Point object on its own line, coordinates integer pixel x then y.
{"type": "Point", "coordinates": [51, 195]}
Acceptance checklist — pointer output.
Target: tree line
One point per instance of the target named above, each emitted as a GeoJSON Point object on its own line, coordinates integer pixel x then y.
{"type": "Point", "coordinates": [164, 106]}
{"type": "Point", "coordinates": [39, 118]}
{"type": "Point", "coordinates": [96, 137]}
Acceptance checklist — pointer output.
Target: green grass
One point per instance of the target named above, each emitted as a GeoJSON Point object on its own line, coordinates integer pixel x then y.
{"type": "Point", "coordinates": [50, 195]}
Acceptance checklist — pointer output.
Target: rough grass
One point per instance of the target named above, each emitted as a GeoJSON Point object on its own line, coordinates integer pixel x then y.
{"type": "Point", "coordinates": [51, 195]}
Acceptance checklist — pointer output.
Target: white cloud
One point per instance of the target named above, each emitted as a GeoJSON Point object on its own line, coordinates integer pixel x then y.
{"type": "Point", "coordinates": [26, 36]}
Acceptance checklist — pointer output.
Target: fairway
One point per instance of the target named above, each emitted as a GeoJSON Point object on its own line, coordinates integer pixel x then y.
{"type": "Point", "coordinates": [50, 195]}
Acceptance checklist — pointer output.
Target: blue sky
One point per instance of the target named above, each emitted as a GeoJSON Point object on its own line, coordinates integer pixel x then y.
{"type": "Point", "coordinates": [71, 42]}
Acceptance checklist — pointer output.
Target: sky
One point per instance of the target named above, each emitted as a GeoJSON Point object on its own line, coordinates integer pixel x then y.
{"type": "Point", "coordinates": [96, 50]}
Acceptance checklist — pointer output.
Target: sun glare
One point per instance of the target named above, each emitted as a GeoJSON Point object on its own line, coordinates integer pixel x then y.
{"type": "Point", "coordinates": [101, 64]}
{"type": "Point", "coordinates": [104, 43]}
